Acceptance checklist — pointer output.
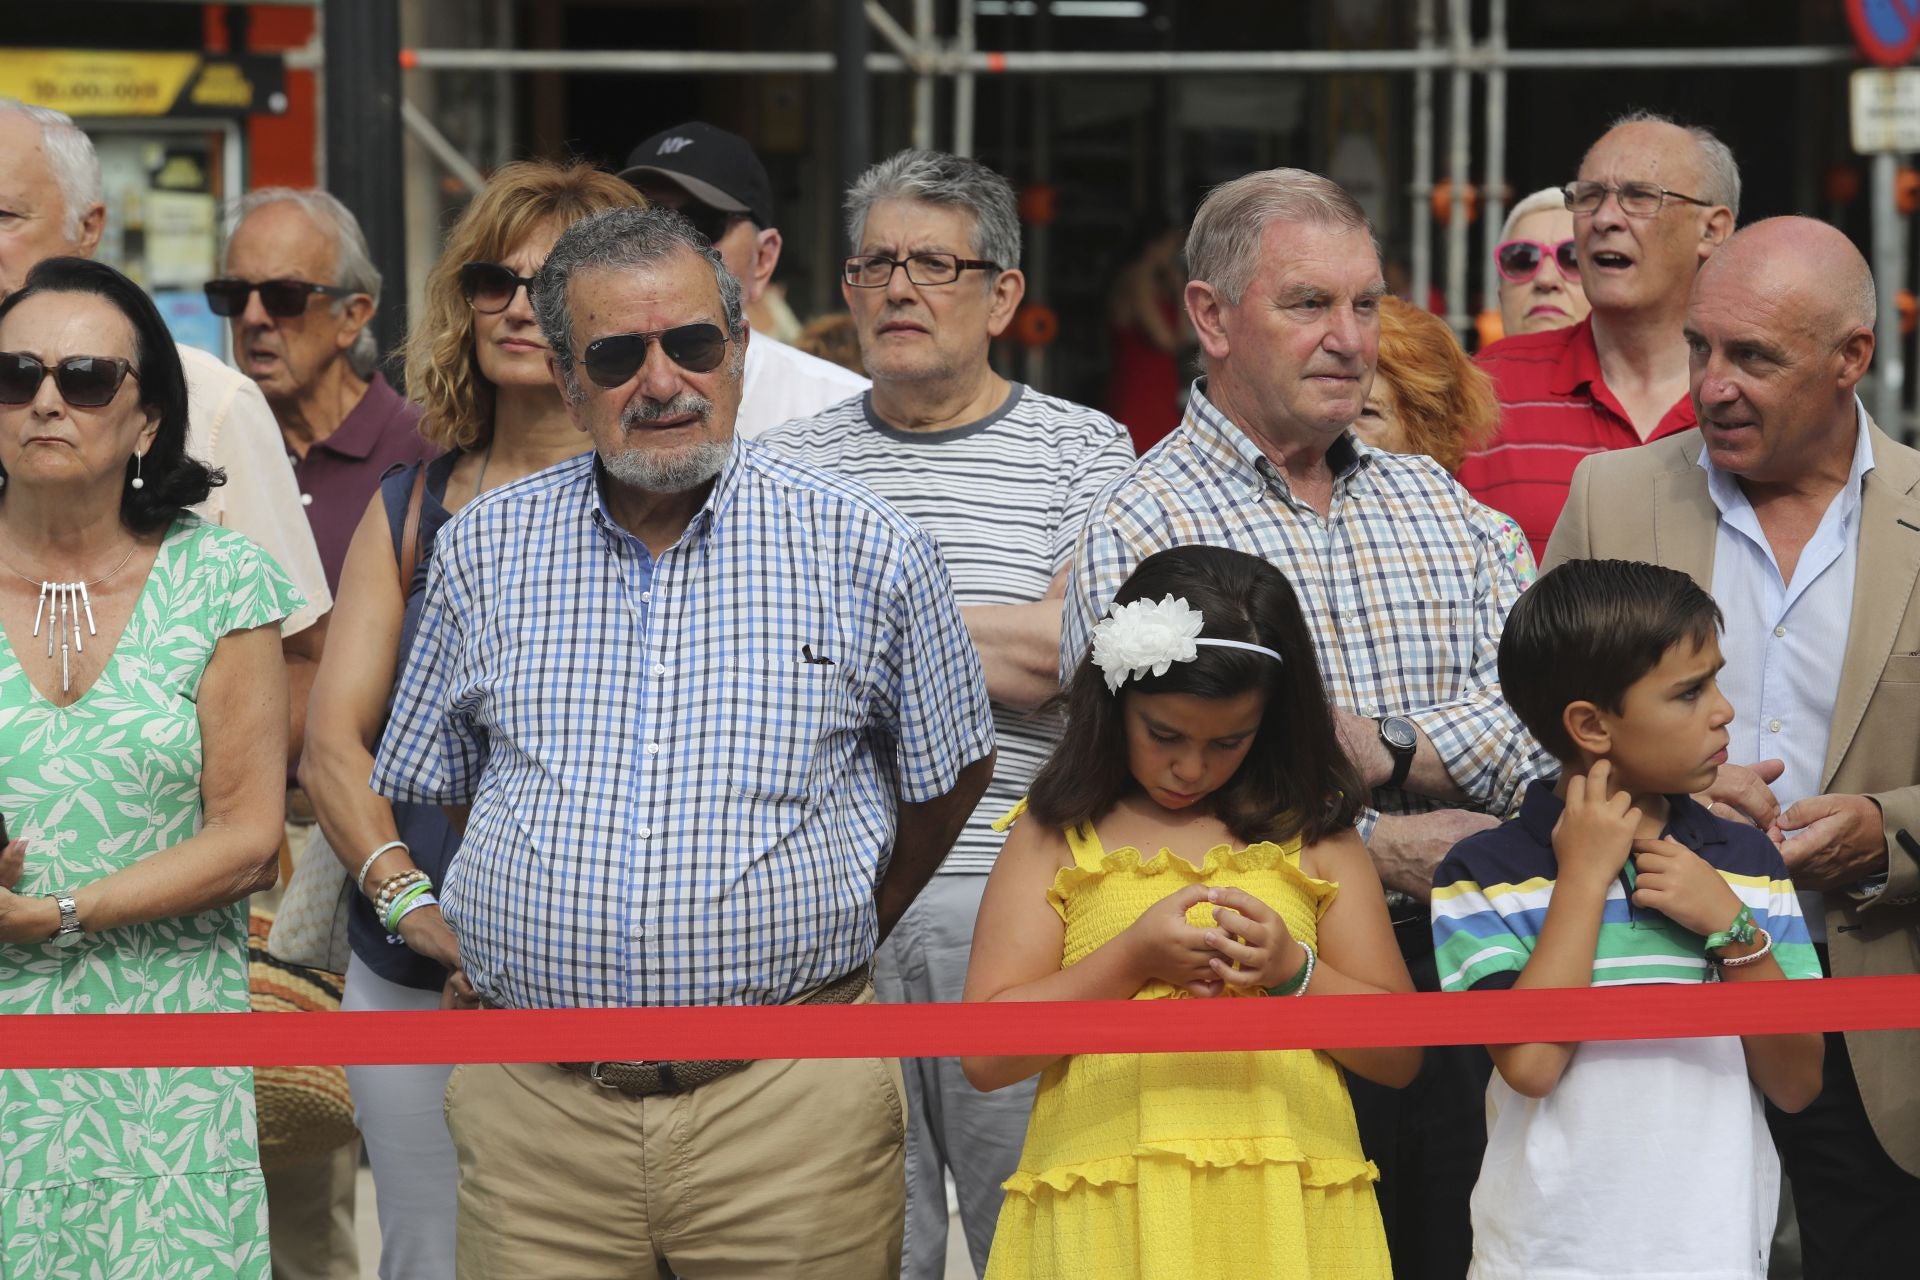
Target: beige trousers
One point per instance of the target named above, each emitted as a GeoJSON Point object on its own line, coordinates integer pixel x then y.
{"type": "Point", "coordinates": [780, 1171]}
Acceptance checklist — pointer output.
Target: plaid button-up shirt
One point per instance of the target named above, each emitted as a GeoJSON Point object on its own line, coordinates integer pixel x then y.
{"type": "Point", "coordinates": [1404, 584]}
{"type": "Point", "coordinates": [684, 772]}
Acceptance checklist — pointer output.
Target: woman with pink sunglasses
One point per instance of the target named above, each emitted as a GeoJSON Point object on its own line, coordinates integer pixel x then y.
{"type": "Point", "coordinates": [1539, 275]}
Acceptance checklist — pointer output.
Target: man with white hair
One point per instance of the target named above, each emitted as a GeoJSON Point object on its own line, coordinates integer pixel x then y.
{"type": "Point", "coordinates": [51, 205]}
{"type": "Point", "coordinates": [933, 278]}
{"type": "Point", "coordinates": [300, 289]}
{"type": "Point", "coordinates": [1653, 199]}
{"type": "Point", "coordinates": [1401, 575]}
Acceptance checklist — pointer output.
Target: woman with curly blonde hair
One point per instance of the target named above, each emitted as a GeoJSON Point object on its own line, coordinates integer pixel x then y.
{"type": "Point", "coordinates": [478, 365]}
{"type": "Point", "coordinates": [1428, 397]}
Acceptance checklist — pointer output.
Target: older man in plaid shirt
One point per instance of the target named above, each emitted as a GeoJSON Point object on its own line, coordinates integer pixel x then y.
{"type": "Point", "coordinates": [710, 719]}
{"type": "Point", "coordinates": [1400, 574]}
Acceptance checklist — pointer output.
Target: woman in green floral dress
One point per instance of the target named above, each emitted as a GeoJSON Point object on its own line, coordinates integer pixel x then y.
{"type": "Point", "coordinates": [142, 748]}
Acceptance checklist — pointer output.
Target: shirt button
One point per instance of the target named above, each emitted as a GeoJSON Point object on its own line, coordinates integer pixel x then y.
{"type": "Point", "coordinates": [1773, 726]}
{"type": "Point", "coordinates": [646, 833]}
{"type": "Point", "coordinates": [638, 933]}
{"type": "Point", "coordinates": [659, 668]}
{"type": "Point", "coordinates": [646, 597]}
{"type": "Point", "coordinates": [1779, 631]}
{"type": "Point", "coordinates": [306, 499]}
{"type": "Point", "coordinates": [653, 748]}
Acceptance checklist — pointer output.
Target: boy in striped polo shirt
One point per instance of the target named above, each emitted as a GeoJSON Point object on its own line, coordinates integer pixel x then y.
{"type": "Point", "coordinates": [1646, 1158]}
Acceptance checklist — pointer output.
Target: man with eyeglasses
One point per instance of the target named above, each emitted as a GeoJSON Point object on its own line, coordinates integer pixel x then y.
{"type": "Point", "coordinates": [1002, 476]}
{"type": "Point", "coordinates": [299, 289]}
{"type": "Point", "coordinates": [714, 179]}
{"type": "Point", "coordinates": [1652, 201]}
{"type": "Point", "coordinates": [708, 720]}
{"type": "Point", "coordinates": [51, 205]}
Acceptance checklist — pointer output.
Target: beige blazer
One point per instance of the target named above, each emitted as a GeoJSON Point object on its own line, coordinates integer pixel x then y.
{"type": "Point", "coordinates": [1651, 504]}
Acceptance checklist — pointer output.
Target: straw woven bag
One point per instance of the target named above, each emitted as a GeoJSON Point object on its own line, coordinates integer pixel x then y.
{"type": "Point", "coordinates": [304, 1111]}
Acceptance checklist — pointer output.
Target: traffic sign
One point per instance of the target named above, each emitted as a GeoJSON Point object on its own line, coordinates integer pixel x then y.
{"type": "Point", "coordinates": [1887, 31]}
{"type": "Point", "coordinates": [1886, 109]}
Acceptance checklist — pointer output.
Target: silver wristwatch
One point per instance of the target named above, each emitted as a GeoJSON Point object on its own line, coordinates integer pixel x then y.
{"type": "Point", "coordinates": [69, 933]}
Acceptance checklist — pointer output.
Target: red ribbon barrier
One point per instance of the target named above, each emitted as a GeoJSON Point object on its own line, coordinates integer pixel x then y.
{"type": "Point", "coordinates": [927, 1030]}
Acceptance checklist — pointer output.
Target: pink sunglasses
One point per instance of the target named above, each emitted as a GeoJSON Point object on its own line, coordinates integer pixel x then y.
{"type": "Point", "coordinates": [1521, 260]}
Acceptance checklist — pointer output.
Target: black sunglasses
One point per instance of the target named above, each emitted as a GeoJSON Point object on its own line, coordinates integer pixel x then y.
{"type": "Point", "coordinates": [85, 382]}
{"type": "Point", "coordinates": [489, 286]}
{"type": "Point", "coordinates": [282, 298]}
{"type": "Point", "coordinates": [612, 361]}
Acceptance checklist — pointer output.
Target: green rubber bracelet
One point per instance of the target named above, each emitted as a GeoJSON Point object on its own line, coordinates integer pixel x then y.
{"type": "Point", "coordinates": [399, 904]}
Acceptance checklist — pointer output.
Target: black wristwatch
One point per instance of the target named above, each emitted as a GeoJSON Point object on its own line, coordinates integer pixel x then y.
{"type": "Point", "coordinates": [1400, 738]}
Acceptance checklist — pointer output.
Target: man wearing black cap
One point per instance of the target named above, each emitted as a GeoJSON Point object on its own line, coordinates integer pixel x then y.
{"type": "Point", "coordinates": [714, 178]}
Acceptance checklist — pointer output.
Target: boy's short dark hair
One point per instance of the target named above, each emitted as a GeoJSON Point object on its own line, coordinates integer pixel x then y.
{"type": "Point", "coordinates": [1586, 631]}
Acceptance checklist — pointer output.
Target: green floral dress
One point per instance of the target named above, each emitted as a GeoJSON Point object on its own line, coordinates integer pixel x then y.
{"type": "Point", "coordinates": [131, 1173]}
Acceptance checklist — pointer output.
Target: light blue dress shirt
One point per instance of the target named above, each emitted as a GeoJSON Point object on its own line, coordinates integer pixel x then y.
{"type": "Point", "coordinates": [1785, 641]}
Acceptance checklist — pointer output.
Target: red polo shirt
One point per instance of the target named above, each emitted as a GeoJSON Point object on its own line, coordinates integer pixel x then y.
{"type": "Point", "coordinates": [1555, 409]}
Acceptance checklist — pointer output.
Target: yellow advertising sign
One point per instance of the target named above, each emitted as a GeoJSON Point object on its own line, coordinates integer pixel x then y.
{"type": "Point", "coordinates": [87, 82]}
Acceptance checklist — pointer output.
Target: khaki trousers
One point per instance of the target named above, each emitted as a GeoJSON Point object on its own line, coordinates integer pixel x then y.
{"type": "Point", "coordinates": [780, 1171]}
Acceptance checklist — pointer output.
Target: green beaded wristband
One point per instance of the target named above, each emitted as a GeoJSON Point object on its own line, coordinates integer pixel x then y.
{"type": "Point", "coordinates": [1743, 929]}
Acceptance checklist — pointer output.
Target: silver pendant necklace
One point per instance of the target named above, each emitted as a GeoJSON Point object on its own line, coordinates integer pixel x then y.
{"type": "Point", "coordinates": [61, 606]}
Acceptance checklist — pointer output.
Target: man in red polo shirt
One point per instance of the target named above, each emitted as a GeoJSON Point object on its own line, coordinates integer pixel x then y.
{"type": "Point", "coordinates": [1652, 201]}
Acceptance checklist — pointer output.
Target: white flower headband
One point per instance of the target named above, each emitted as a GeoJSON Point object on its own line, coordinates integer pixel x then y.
{"type": "Point", "coordinates": [1142, 637]}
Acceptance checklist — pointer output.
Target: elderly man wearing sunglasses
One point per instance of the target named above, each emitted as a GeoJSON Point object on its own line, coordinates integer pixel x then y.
{"type": "Point", "coordinates": [1652, 201]}
{"type": "Point", "coordinates": [299, 290]}
{"type": "Point", "coordinates": [708, 719]}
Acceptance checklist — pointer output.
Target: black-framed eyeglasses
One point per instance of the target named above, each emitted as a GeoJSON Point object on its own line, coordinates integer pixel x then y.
{"type": "Point", "coordinates": [85, 382]}
{"type": "Point", "coordinates": [489, 286]}
{"type": "Point", "coordinates": [613, 360]}
{"type": "Point", "coordinates": [1637, 199]}
{"type": "Point", "coordinates": [281, 298]}
{"type": "Point", "coordinates": [875, 270]}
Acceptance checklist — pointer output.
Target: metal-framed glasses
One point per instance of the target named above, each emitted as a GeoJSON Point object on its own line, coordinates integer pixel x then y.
{"type": "Point", "coordinates": [1520, 260]}
{"type": "Point", "coordinates": [227, 297]}
{"type": "Point", "coordinates": [875, 270]}
{"type": "Point", "coordinates": [1637, 199]}
{"type": "Point", "coordinates": [85, 382]}
{"type": "Point", "coordinates": [613, 360]}
{"type": "Point", "coordinates": [489, 286]}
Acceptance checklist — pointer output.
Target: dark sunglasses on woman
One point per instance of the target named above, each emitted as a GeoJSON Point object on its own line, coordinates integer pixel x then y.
{"type": "Point", "coordinates": [282, 299]}
{"type": "Point", "coordinates": [613, 360]}
{"type": "Point", "coordinates": [489, 286]}
{"type": "Point", "coordinates": [1521, 260]}
{"type": "Point", "coordinates": [85, 382]}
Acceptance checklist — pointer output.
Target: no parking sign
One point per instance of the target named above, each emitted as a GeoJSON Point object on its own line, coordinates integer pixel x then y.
{"type": "Point", "coordinates": [1887, 31]}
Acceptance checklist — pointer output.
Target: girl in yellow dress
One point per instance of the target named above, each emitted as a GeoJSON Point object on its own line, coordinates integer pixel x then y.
{"type": "Point", "coordinates": [1197, 728]}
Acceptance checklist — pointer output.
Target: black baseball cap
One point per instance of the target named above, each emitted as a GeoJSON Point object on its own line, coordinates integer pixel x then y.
{"type": "Point", "coordinates": [715, 167]}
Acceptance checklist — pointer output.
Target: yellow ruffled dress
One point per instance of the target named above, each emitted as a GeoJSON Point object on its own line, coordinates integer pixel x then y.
{"type": "Point", "coordinates": [1189, 1165]}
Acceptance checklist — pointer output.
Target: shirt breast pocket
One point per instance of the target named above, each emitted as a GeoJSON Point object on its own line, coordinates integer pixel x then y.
{"type": "Point", "coordinates": [1432, 648]}
{"type": "Point", "coordinates": [788, 724]}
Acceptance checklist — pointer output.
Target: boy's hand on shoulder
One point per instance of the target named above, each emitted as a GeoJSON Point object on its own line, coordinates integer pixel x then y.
{"type": "Point", "coordinates": [1253, 944]}
{"type": "Point", "coordinates": [1594, 835]}
{"type": "Point", "coordinates": [1682, 886]}
{"type": "Point", "coordinates": [1166, 948]}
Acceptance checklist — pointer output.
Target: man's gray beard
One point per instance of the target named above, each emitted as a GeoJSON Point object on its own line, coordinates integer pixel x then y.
{"type": "Point", "coordinates": [675, 472]}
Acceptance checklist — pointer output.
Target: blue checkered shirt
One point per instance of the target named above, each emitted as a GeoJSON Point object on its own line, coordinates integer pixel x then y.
{"type": "Point", "coordinates": [1404, 584]}
{"type": "Point", "coordinates": [684, 772]}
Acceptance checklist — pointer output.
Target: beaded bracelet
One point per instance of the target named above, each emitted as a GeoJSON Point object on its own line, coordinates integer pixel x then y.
{"type": "Point", "coordinates": [360, 881]}
{"type": "Point", "coordinates": [1297, 984]}
{"type": "Point", "coordinates": [395, 908]}
{"type": "Point", "coordinates": [393, 886]}
{"type": "Point", "coordinates": [1735, 962]}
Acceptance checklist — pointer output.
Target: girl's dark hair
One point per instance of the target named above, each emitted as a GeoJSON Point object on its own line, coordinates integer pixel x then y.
{"type": "Point", "coordinates": [172, 481]}
{"type": "Point", "coordinates": [1295, 781]}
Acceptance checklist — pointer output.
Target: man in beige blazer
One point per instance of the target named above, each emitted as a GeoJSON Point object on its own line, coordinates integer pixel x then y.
{"type": "Point", "coordinates": [1803, 518]}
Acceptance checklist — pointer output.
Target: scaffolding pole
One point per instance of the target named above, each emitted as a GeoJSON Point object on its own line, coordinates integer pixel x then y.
{"type": "Point", "coordinates": [1493, 203]}
{"type": "Point", "coordinates": [1459, 160]}
{"type": "Point", "coordinates": [1420, 251]}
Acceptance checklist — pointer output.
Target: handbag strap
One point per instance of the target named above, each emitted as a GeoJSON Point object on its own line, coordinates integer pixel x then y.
{"type": "Point", "coordinates": [410, 532]}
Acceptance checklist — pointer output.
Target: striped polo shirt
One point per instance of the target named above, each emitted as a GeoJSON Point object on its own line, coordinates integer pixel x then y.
{"type": "Point", "coordinates": [1490, 900]}
{"type": "Point", "coordinates": [1555, 409]}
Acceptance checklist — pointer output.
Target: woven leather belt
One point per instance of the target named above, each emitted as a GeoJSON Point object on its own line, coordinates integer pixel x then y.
{"type": "Point", "coordinates": [652, 1079]}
